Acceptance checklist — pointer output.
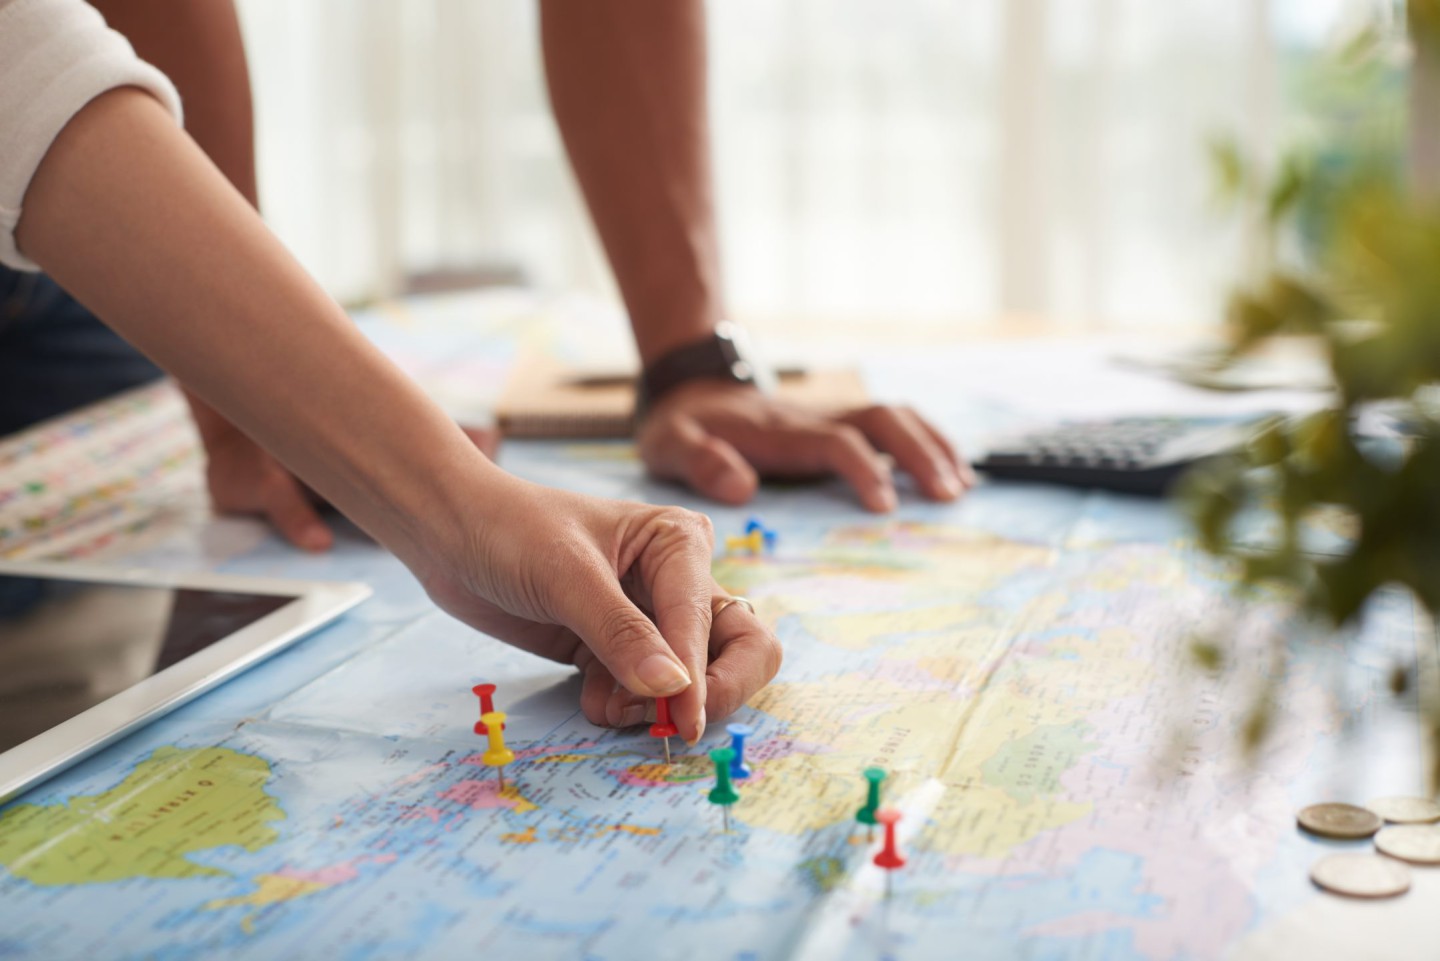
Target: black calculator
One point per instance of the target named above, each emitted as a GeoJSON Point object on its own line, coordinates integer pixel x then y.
{"type": "Point", "coordinates": [1140, 455]}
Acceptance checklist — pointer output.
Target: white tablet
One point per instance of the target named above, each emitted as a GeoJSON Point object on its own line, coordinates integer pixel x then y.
{"type": "Point", "coordinates": [89, 653]}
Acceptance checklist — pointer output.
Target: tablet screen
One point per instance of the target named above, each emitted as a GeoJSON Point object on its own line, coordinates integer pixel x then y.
{"type": "Point", "coordinates": [68, 645]}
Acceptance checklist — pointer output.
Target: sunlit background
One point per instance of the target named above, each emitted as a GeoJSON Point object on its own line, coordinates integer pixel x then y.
{"type": "Point", "coordinates": [930, 162]}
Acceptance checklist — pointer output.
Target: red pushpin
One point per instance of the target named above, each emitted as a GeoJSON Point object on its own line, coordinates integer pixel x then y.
{"type": "Point", "coordinates": [663, 726]}
{"type": "Point", "coordinates": [486, 693]}
{"type": "Point", "coordinates": [889, 857]}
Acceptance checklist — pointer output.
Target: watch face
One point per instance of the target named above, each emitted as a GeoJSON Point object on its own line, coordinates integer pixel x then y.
{"type": "Point", "coordinates": [730, 338]}
{"type": "Point", "coordinates": [746, 366]}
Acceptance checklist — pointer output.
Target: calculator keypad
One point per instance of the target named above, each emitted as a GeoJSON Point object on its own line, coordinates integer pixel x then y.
{"type": "Point", "coordinates": [1141, 455]}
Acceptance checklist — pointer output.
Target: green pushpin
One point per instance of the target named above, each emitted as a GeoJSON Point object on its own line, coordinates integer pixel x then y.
{"type": "Point", "coordinates": [723, 793]}
{"type": "Point", "coordinates": [866, 815]}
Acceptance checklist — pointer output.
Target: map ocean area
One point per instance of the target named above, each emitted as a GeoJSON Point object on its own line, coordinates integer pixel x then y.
{"type": "Point", "coordinates": [1082, 793]}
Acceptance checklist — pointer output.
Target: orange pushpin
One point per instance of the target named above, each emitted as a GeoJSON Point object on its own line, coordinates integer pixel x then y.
{"type": "Point", "coordinates": [663, 726]}
{"type": "Point", "coordinates": [498, 754]}
{"type": "Point", "coordinates": [486, 693]}
{"type": "Point", "coordinates": [889, 856]}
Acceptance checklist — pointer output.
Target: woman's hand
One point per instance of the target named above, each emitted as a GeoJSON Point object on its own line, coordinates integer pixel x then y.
{"type": "Point", "coordinates": [621, 590]}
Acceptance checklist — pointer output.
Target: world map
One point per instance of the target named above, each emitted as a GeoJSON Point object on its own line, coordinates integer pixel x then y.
{"type": "Point", "coordinates": [1073, 782]}
{"type": "Point", "coordinates": [1068, 780]}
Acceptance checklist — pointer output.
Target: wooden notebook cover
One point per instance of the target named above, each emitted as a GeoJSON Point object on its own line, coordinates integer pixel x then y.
{"type": "Point", "coordinates": [545, 398]}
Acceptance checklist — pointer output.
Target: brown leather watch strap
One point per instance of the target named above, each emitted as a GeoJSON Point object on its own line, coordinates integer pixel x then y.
{"type": "Point", "coordinates": [716, 357]}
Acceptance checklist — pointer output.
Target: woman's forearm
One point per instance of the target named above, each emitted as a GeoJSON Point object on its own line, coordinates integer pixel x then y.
{"type": "Point", "coordinates": [200, 48]}
{"type": "Point", "coordinates": [130, 217]}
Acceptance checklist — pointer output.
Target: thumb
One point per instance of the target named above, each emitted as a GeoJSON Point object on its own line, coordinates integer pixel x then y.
{"type": "Point", "coordinates": [681, 449]}
{"type": "Point", "coordinates": [624, 639]}
{"type": "Point", "coordinates": [284, 503]}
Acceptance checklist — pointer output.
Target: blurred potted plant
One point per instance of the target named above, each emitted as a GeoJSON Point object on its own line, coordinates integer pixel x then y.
{"type": "Point", "coordinates": [1362, 276]}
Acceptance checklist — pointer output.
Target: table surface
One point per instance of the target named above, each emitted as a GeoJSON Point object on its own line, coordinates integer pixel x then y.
{"type": "Point", "coordinates": [1072, 787]}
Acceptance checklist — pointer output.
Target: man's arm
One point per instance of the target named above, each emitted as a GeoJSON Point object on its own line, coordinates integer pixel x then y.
{"type": "Point", "coordinates": [627, 83]}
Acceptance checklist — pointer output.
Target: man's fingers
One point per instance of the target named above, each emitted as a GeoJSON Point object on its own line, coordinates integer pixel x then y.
{"type": "Point", "coordinates": [904, 436]}
{"type": "Point", "coordinates": [679, 448]}
{"type": "Point", "coordinates": [828, 447]}
{"type": "Point", "coordinates": [962, 466]}
{"type": "Point", "coordinates": [283, 501]}
{"type": "Point", "coordinates": [746, 658]}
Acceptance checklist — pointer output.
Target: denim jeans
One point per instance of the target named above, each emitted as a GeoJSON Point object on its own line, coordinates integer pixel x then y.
{"type": "Point", "coordinates": [55, 355]}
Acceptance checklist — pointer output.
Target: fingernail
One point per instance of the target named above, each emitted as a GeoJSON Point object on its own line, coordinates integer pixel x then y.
{"type": "Point", "coordinates": [662, 675]}
{"type": "Point", "coordinates": [734, 488]}
{"type": "Point", "coordinates": [888, 500]}
{"type": "Point", "coordinates": [967, 475]}
{"type": "Point", "coordinates": [632, 715]}
{"type": "Point", "coordinates": [314, 539]}
{"type": "Point", "coordinates": [949, 480]}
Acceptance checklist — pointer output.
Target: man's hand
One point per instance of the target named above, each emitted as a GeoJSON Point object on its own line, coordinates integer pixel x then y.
{"type": "Point", "coordinates": [722, 438]}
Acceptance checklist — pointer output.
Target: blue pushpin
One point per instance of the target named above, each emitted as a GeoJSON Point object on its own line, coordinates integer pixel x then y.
{"type": "Point", "coordinates": [766, 534]}
{"type": "Point", "coordinates": [739, 770]}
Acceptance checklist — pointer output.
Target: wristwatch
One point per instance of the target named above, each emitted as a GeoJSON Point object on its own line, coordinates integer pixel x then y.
{"type": "Point", "coordinates": [723, 356]}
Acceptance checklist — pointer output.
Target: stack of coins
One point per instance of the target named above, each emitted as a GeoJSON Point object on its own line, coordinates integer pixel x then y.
{"type": "Point", "coordinates": [1413, 838]}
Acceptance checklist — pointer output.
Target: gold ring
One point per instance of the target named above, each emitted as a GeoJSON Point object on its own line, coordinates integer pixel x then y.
{"type": "Point", "coordinates": [720, 603]}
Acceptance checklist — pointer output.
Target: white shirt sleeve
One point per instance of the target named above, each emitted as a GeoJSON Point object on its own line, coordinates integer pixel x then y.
{"type": "Point", "coordinates": [55, 57]}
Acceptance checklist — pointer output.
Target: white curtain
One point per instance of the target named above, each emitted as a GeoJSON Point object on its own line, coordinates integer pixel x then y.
{"type": "Point", "coordinates": [923, 161]}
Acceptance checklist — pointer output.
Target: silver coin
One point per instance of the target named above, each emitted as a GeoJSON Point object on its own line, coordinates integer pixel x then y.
{"type": "Point", "coordinates": [1416, 843]}
{"type": "Point", "coordinates": [1345, 821]}
{"type": "Point", "coordinates": [1406, 810]}
{"type": "Point", "coordinates": [1361, 875]}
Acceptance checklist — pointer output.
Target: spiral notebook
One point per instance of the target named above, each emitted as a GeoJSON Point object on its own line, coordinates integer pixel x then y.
{"type": "Point", "coordinates": [545, 398]}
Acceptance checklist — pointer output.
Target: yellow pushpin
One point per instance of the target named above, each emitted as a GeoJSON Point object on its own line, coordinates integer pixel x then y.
{"type": "Point", "coordinates": [754, 542]}
{"type": "Point", "coordinates": [498, 754]}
